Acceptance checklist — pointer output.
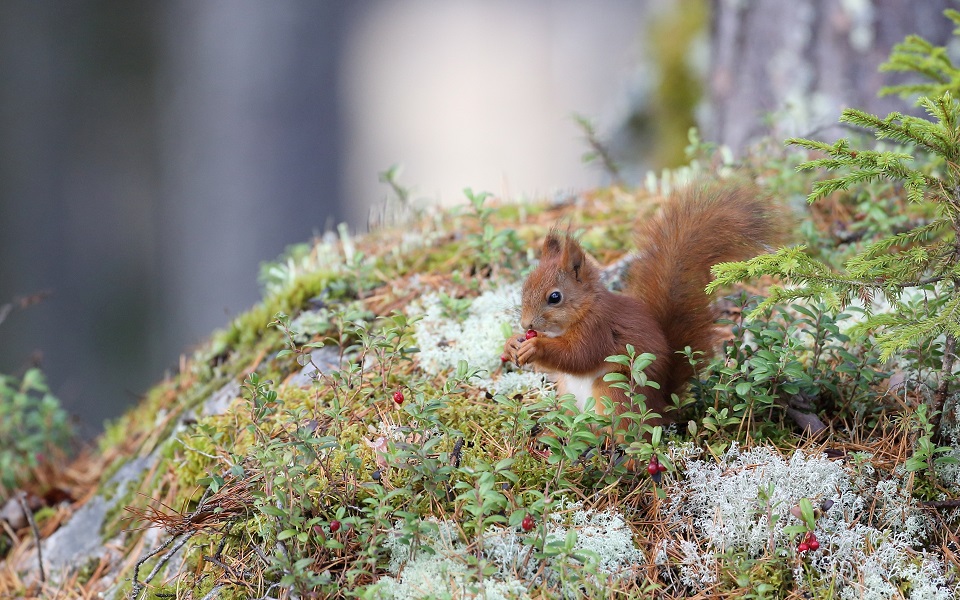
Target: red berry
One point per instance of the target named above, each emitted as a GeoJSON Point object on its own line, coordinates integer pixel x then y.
{"type": "Point", "coordinates": [504, 357]}
{"type": "Point", "coordinates": [530, 334]}
{"type": "Point", "coordinates": [813, 544]}
{"type": "Point", "coordinates": [653, 468]}
{"type": "Point", "coordinates": [527, 523]}
{"type": "Point", "coordinates": [334, 526]}
{"type": "Point", "coordinates": [661, 468]}
{"type": "Point", "coordinates": [803, 547]}
{"type": "Point", "coordinates": [398, 397]}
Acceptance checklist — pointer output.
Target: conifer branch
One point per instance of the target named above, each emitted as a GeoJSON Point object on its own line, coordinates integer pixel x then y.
{"type": "Point", "coordinates": [927, 256]}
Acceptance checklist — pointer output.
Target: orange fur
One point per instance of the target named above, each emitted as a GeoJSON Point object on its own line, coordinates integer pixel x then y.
{"type": "Point", "coordinates": [664, 308]}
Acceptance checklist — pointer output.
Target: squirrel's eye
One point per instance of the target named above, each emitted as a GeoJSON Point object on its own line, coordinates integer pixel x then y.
{"type": "Point", "coordinates": [554, 298]}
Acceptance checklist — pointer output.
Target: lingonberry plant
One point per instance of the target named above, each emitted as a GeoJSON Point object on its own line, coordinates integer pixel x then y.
{"type": "Point", "coordinates": [32, 425]}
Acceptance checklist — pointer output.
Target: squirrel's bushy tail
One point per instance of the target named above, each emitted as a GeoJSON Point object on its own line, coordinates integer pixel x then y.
{"type": "Point", "coordinates": [699, 226]}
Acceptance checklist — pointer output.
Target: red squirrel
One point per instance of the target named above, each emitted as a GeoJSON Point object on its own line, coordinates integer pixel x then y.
{"type": "Point", "coordinates": [663, 309]}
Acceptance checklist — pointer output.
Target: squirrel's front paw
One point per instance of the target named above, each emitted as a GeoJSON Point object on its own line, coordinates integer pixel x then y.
{"type": "Point", "coordinates": [527, 351]}
{"type": "Point", "coordinates": [510, 350]}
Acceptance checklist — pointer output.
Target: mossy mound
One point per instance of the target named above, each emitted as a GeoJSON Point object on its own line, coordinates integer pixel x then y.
{"type": "Point", "coordinates": [355, 434]}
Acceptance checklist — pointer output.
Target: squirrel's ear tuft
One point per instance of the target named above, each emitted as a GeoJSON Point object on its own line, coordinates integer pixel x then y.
{"type": "Point", "coordinates": [573, 257]}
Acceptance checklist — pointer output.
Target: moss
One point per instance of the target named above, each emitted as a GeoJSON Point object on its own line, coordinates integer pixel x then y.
{"type": "Point", "coordinates": [471, 415]}
{"type": "Point", "coordinates": [250, 328]}
{"type": "Point", "coordinates": [115, 513]}
{"type": "Point", "coordinates": [509, 214]}
{"type": "Point", "coordinates": [192, 462]}
{"type": "Point", "coordinates": [604, 240]}
{"type": "Point", "coordinates": [297, 397]}
{"type": "Point", "coordinates": [773, 573]}
{"type": "Point", "coordinates": [6, 544]}
{"type": "Point", "coordinates": [250, 337]}
{"type": "Point", "coordinates": [442, 259]}
{"type": "Point", "coordinates": [164, 592]}
{"type": "Point", "coordinates": [109, 490]}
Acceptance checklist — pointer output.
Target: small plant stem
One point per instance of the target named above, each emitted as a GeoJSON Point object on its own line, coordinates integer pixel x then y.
{"type": "Point", "coordinates": [818, 341]}
{"type": "Point", "coordinates": [389, 177]}
{"type": "Point", "coordinates": [36, 532]}
{"type": "Point", "coordinates": [609, 165]}
{"type": "Point", "coordinates": [599, 149]}
{"type": "Point", "coordinates": [946, 374]}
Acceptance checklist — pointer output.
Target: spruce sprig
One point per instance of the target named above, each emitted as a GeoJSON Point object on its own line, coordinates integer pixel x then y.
{"type": "Point", "coordinates": [922, 256]}
{"type": "Point", "coordinates": [916, 55]}
{"type": "Point", "coordinates": [926, 256]}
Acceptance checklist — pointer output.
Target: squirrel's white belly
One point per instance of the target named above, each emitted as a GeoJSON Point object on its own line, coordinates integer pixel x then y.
{"type": "Point", "coordinates": [580, 386]}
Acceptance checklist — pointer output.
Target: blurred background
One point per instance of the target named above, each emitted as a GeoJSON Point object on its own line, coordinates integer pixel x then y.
{"type": "Point", "coordinates": [153, 154]}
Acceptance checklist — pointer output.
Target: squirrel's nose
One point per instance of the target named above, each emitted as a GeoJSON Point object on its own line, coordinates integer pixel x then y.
{"type": "Point", "coordinates": [526, 325]}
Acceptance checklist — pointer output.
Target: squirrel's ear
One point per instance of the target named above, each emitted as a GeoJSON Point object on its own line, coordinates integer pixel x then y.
{"type": "Point", "coordinates": [573, 257]}
{"type": "Point", "coordinates": [552, 246]}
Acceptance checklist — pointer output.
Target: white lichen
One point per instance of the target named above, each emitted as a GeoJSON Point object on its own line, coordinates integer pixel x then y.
{"type": "Point", "coordinates": [476, 336]}
{"type": "Point", "coordinates": [607, 534]}
{"type": "Point", "coordinates": [725, 504]}
{"type": "Point", "coordinates": [439, 569]}
{"type": "Point", "coordinates": [516, 381]}
{"type": "Point", "coordinates": [743, 502]}
{"type": "Point", "coordinates": [441, 566]}
{"type": "Point", "coordinates": [697, 568]}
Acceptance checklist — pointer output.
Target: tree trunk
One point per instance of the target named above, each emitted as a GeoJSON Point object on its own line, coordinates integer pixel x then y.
{"type": "Point", "coordinates": [786, 68]}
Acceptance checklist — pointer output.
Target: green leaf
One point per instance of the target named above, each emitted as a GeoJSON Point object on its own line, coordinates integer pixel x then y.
{"type": "Point", "coordinates": [806, 509]}
{"type": "Point", "coordinates": [273, 511]}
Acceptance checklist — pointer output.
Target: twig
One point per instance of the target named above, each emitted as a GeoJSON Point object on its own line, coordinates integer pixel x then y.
{"type": "Point", "coordinates": [263, 555]}
{"type": "Point", "coordinates": [456, 454]}
{"type": "Point", "coordinates": [21, 303]}
{"type": "Point", "coordinates": [7, 529]}
{"type": "Point", "coordinates": [192, 449]}
{"type": "Point", "coordinates": [138, 586]}
{"type": "Point", "coordinates": [213, 592]}
{"type": "Point", "coordinates": [951, 503]}
{"type": "Point", "coordinates": [36, 532]}
{"type": "Point", "coordinates": [216, 561]}
{"type": "Point", "coordinates": [267, 595]}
